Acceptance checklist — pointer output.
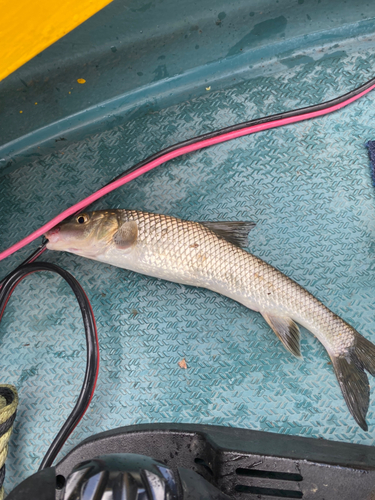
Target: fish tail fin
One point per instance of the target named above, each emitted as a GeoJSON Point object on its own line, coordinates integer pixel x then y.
{"type": "Point", "coordinates": [366, 353]}
{"type": "Point", "coordinates": [353, 381]}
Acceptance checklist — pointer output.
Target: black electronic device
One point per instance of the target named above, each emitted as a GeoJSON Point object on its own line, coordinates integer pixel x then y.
{"type": "Point", "coordinates": [199, 462]}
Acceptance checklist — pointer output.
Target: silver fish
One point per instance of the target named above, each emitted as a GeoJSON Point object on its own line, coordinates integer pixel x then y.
{"type": "Point", "coordinates": [209, 255]}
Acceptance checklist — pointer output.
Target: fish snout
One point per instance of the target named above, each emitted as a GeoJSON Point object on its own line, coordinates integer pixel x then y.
{"type": "Point", "coordinates": [53, 234]}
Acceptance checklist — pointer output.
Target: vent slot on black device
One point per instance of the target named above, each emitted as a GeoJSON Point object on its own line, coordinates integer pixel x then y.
{"type": "Point", "coordinates": [273, 475]}
{"type": "Point", "coordinates": [270, 492]}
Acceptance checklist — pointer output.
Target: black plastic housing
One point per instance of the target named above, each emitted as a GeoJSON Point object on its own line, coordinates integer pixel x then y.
{"type": "Point", "coordinates": [242, 463]}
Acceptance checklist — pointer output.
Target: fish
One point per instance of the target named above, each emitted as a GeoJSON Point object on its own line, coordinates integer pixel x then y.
{"type": "Point", "coordinates": [212, 255]}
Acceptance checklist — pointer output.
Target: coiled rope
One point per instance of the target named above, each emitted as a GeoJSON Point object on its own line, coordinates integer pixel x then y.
{"type": "Point", "coordinates": [8, 408]}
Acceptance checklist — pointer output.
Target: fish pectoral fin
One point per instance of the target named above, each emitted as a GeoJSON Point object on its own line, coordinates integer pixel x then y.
{"type": "Point", "coordinates": [287, 331]}
{"type": "Point", "coordinates": [237, 232]}
{"type": "Point", "coordinates": [126, 235]}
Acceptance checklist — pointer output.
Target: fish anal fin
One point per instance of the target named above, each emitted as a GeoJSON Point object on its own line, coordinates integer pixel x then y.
{"type": "Point", "coordinates": [126, 235]}
{"type": "Point", "coordinates": [235, 232]}
{"type": "Point", "coordinates": [287, 331]}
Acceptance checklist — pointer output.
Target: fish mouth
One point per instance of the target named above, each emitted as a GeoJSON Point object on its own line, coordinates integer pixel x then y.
{"type": "Point", "coordinates": [53, 234]}
{"type": "Point", "coordinates": [56, 241]}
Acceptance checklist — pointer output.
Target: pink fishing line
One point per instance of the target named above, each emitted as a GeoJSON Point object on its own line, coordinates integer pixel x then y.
{"type": "Point", "coordinates": [169, 156]}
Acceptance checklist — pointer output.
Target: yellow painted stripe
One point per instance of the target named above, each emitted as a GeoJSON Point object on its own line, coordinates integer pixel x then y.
{"type": "Point", "coordinates": [27, 27]}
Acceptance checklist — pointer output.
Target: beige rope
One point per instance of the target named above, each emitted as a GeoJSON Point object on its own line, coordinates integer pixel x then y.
{"type": "Point", "coordinates": [6, 412]}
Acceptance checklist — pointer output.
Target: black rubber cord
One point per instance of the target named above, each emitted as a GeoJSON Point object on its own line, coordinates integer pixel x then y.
{"type": "Point", "coordinates": [92, 362]}
{"type": "Point", "coordinates": [239, 126]}
{"type": "Point", "coordinates": [29, 259]}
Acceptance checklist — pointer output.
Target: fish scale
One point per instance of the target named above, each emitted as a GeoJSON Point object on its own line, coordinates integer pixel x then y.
{"type": "Point", "coordinates": [168, 243]}
{"type": "Point", "coordinates": [192, 254]}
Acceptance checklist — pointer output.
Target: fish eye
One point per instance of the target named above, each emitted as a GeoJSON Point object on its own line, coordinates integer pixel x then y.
{"type": "Point", "coordinates": [82, 218]}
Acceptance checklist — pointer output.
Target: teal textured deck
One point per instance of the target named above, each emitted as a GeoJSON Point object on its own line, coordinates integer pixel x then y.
{"type": "Point", "coordinates": [308, 188]}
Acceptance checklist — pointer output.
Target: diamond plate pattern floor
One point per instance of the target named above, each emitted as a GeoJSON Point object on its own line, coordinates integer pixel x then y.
{"type": "Point", "coordinates": [306, 186]}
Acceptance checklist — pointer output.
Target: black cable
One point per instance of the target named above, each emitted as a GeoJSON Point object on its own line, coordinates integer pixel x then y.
{"type": "Point", "coordinates": [41, 248]}
{"type": "Point", "coordinates": [92, 362]}
{"type": "Point", "coordinates": [250, 123]}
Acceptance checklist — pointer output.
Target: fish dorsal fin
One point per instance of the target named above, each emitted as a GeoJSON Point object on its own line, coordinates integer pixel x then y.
{"type": "Point", "coordinates": [287, 331]}
{"type": "Point", "coordinates": [235, 232]}
{"type": "Point", "coordinates": [126, 235]}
